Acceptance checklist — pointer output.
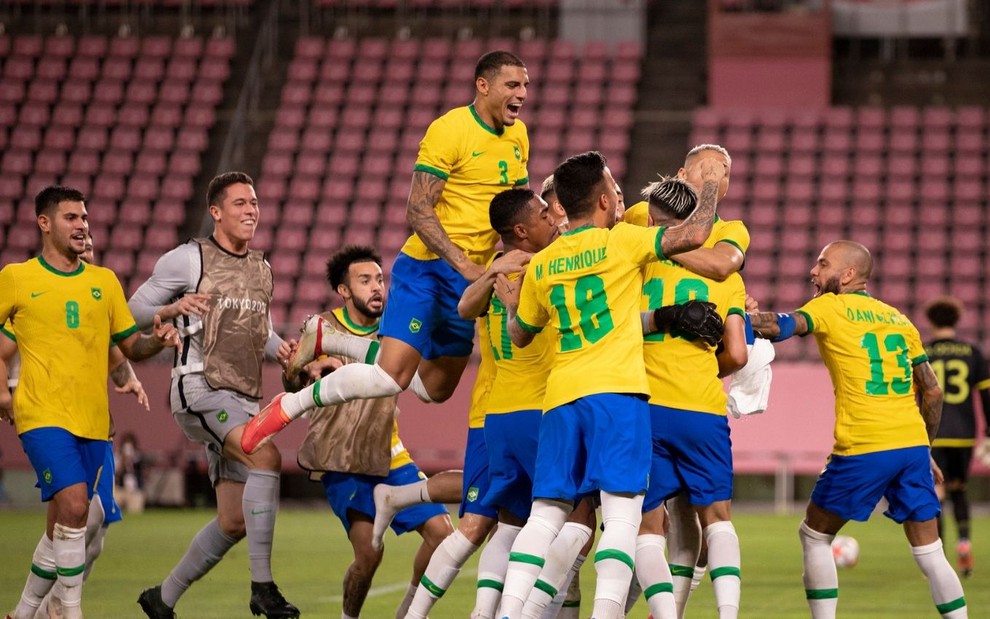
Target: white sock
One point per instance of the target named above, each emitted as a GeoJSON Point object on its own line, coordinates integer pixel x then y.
{"type": "Point", "coordinates": [41, 578]}
{"type": "Point", "coordinates": [352, 346]}
{"type": "Point", "coordinates": [70, 560]}
{"type": "Point", "coordinates": [653, 575]}
{"type": "Point", "coordinates": [351, 382]}
{"type": "Point", "coordinates": [529, 553]}
{"type": "Point", "coordinates": [943, 582]}
{"type": "Point", "coordinates": [614, 559]}
{"type": "Point", "coordinates": [95, 533]}
{"type": "Point", "coordinates": [552, 581]}
{"type": "Point", "coordinates": [444, 566]}
{"type": "Point", "coordinates": [635, 590]}
{"type": "Point", "coordinates": [683, 548]}
{"type": "Point", "coordinates": [418, 388]}
{"type": "Point", "coordinates": [401, 497]}
{"type": "Point", "coordinates": [567, 603]}
{"type": "Point", "coordinates": [724, 562]}
{"type": "Point", "coordinates": [406, 602]}
{"type": "Point", "coordinates": [492, 566]}
{"type": "Point", "coordinates": [821, 581]}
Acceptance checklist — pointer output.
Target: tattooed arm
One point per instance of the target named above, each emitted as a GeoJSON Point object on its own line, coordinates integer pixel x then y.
{"type": "Point", "coordinates": [926, 384]}
{"type": "Point", "coordinates": [767, 324]}
{"type": "Point", "coordinates": [693, 231]}
{"type": "Point", "coordinates": [422, 217]}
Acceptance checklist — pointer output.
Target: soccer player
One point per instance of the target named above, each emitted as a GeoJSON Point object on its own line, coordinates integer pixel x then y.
{"type": "Point", "coordinates": [877, 365]}
{"type": "Point", "coordinates": [218, 291]}
{"type": "Point", "coordinates": [351, 447]}
{"type": "Point", "coordinates": [102, 512]}
{"type": "Point", "coordinates": [692, 451]}
{"type": "Point", "coordinates": [468, 155]}
{"type": "Point", "coordinates": [65, 314]}
{"type": "Point", "coordinates": [594, 432]}
{"type": "Point", "coordinates": [962, 371]}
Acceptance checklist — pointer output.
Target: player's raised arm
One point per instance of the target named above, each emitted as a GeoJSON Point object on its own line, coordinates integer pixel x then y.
{"type": "Point", "coordinates": [474, 301]}
{"type": "Point", "coordinates": [694, 230]}
{"type": "Point", "coordinates": [716, 263]}
{"type": "Point", "coordinates": [926, 384]}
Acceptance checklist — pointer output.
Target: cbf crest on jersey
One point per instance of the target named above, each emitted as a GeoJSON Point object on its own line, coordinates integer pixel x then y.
{"type": "Point", "coordinates": [97, 293]}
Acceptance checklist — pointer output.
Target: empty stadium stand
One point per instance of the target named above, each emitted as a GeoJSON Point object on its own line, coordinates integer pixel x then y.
{"type": "Point", "coordinates": [123, 119]}
{"type": "Point", "coordinates": [910, 183]}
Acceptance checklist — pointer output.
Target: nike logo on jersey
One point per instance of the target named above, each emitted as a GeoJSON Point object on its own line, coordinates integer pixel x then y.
{"type": "Point", "coordinates": [474, 154]}
{"type": "Point", "coordinates": [35, 295]}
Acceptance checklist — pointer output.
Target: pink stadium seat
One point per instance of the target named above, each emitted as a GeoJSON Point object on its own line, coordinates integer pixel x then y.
{"type": "Point", "coordinates": [16, 162]}
{"type": "Point", "coordinates": [903, 142]}
{"type": "Point", "coordinates": [311, 163]}
{"type": "Point", "coordinates": [970, 118]}
{"type": "Point", "coordinates": [303, 69]}
{"type": "Point", "coordinates": [151, 69]}
{"type": "Point", "coordinates": [51, 68]}
{"type": "Point", "coordinates": [344, 165]}
{"type": "Point", "coordinates": [295, 221]}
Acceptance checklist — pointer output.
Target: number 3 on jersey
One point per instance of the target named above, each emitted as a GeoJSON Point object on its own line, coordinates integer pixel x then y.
{"type": "Point", "coordinates": [591, 305]}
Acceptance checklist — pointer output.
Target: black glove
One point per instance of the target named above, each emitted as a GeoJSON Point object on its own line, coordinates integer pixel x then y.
{"type": "Point", "coordinates": [695, 318]}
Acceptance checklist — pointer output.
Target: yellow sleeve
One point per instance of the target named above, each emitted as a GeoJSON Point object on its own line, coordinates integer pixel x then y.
{"type": "Point", "coordinates": [639, 245]}
{"type": "Point", "coordinates": [817, 311]}
{"type": "Point", "coordinates": [735, 233]}
{"type": "Point", "coordinates": [532, 314]}
{"type": "Point", "coordinates": [8, 292]}
{"type": "Point", "coordinates": [122, 322]}
{"type": "Point", "coordinates": [439, 151]}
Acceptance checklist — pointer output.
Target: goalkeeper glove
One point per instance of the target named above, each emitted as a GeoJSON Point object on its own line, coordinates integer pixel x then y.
{"type": "Point", "coordinates": [697, 318]}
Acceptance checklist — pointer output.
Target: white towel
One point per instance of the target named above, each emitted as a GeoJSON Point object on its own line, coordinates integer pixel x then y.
{"type": "Point", "coordinates": [749, 388]}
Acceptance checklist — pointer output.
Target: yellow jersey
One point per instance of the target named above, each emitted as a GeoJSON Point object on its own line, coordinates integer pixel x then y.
{"type": "Point", "coordinates": [485, 379]}
{"type": "Point", "coordinates": [587, 284]}
{"type": "Point", "coordinates": [476, 162]}
{"type": "Point", "coordinates": [64, 324]}
{"type": "Point", "coordinates": [682, 370]}
{"type": "Point", "coordinates": [870, 350]}
{"type": "Point", "coordinates": [521, 379]}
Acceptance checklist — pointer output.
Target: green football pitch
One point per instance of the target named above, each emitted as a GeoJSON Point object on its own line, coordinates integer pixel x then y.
{"type": "Point", "coordinates": [311, 554]}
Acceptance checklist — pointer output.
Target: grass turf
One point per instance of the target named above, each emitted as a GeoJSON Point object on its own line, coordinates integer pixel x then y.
{"type": "Point", "coordinates": [312, 553]}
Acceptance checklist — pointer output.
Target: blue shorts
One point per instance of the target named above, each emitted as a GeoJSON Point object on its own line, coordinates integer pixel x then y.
{"type": "Point", "coordinates": [348, 491]}
{"type": "Point", "coordinates": [61, 459]}
{"type": "Point", "coordinates": [598, 442]}
{"type": "Point", "coordinates": [104, 488]}
{"type": "Point", "coordinates": [692, 452]}
{"type": "Point", "coordinates": [512, 440]}
{"type": "Point", "coordinates": [851, 486]}
{"type": "Point", "coordinates": [421, 308]}
{"type": "Point", "coordinates": [476, 479]}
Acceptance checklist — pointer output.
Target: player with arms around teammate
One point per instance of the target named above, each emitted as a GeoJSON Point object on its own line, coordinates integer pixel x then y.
{"type": "Point", "coordinates": [468, 155]}
{"type": "Point", "coordinates": [594, 434]}
{"type": "Point", "coordinates": [218, 291]}
{"type": "Point", "coordinates": [961, 370]}
{"type": "Point", "coordinates": [692, 451]}
{"type": "Point", "coordinates": [66, 314]}
{"type": "Point", "coordinates": [877, 365]}
{"type": "Point", "coordinates": [354, 446]}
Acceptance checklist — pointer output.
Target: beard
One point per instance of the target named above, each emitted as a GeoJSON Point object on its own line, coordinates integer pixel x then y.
{"type": "Point", "coordinates": [831, 285]}
{"type": "Point", "coordinates": [362, 306]}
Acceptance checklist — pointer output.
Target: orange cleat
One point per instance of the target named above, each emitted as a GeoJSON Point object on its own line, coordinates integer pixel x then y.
{"type": "Point", "coordinates": [310, 345]}
{"type": "Point", "coordinates": [266, 424]}
{"type": "Point", "coordinates": [964, 557]}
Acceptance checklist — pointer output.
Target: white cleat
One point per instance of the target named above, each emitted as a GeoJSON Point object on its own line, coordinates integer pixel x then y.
{"type": "Point", "coordinates": [310, 345]}
{"type": "Point", "coordinates": [384, 514]}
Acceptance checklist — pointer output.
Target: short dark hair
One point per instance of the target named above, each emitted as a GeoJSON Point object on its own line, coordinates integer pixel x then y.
{"type": "Point", "coordinates": [49, 197]}
{"type": "Point", "coordinates": [575, 180]}
{"type": "Point", "coordinates": [671, 196]}
{"type": "Point", "coordinates": [218, 186]}
{"type": "Point", "coordinates": [491, 63]}
{"type": "Point", "coordinates": [506, 208]}
{"type": "Point", "coordinates": [340, 262]}
{"type": "Point", "coordinates": [944, 312]}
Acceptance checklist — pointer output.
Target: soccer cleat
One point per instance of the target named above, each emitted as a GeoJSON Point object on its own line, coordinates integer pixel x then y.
{"type": "Point", "coordinates": [964, 557]}
{"type": "Point", "coordinates": [384, 514]}
{"type": "Point", "coordinates": [310, 345]}
{"type": "Point", "coordinates": [152, 604]}
{"type": "Point", "coordinates": [267, 600]}
{"type": "Point", "coordinates": [266, 424]}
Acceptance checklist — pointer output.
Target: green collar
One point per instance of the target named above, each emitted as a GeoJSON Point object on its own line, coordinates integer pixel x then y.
{"type": "Point", "coordinates": [353, 326]}
{"type": "Point", "coordinates": [484, 125]}
{"type": "Point", "coordinates": [50, 268]}
{"type": "Point", "coordinates": [576, 230]}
